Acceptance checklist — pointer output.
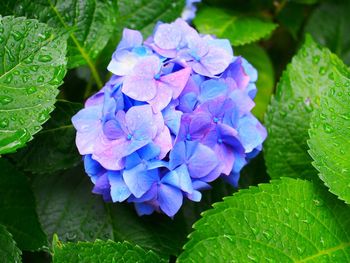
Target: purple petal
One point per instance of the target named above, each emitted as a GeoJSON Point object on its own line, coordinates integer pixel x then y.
{"type": "Point", "coordinates": [164, 141]}
{"type": "Point", "coordinates": [131, 38]}
{"type": "Point", "coordinates": [119, 190]}
{"type": "Point", "coordinates": [175, 81]}
{"type": "Point", "coordinates": [170, 199]}
{"type": "Point", "coordinates": [162, 98]}
{"type": "Point", "coordinates": [144, 209]}
{"type": "Point", "coordinates": [139, 179]}
{"type": "Point", "coordinates": [211, 89]}
{"type": "Point", "coordinates": [179, 178]}
{"type": "Point", "coordinates": [178, 155]}
{"type": "Point", "coordinates": [202, 161]}
{"type": "Point", "coordinates": [123, 62]}
{"type": "Point", "coordinates": [167, 36]}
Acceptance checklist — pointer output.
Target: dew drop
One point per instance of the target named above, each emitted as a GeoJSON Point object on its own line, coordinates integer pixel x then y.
{"type": "Point", "coordinates": [316, 59]}
{"type": "Point", "coordinates": [17, 35]}
{"type": "Point", "coordinates": [1, 39]}
{"type": "Point", "coordinates": [4, 123]}
{"type": "Point", "coordinates": [267, 235]}
{"type": "Point", "coordinates": [300, 250]}
{"type": "Point", "coordinates": [31, 90]}
{"type": "Point", "coordinates": [71, 236]}
{"type": "Point", "coordinates": [322, 71]}
{"type": "Point", "coordinates": [43, 117]}
{"type": "Point", "coordinates": [34, 68]}
{"type": "Point", "coordinates": [8, 79]}
{"type": "Point", "coordinates": [5, 99]}
{"type": "Point", "coordinates": [28, 60]}
{"type": "Point", "coordinates": [44, 58]}
{"type": "Point", "coordinates": [328, 128]}
{"type": "Point", "coordinates": [40, 79]}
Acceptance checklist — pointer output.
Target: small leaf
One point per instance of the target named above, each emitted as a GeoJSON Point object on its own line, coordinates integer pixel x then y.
{"type": "Point", "coordinates": [329, 137]}
{"type": "Point", "coordinates": [103, 252]}
{"type": "Point", "coordinates": [258, 57]}
{"type": "Point", "coordinates": [288, 116]}
{"type": "Point", "coordinates": [33, 66]}
{"type": "Point", "coordinates": [329, 24]}
{"type": "Point", "coordinates": [239, 29]}
{"type": "Point", "coordinates": [9, 252]}
{"type": "Point", "coordinates": [54, 147]}
{"type": "Point", "coordinates": [17, 206]}
{"type": "Point", "coordinates": [288, 220]}
{"type": "Point", "coordinates": [67, 207]}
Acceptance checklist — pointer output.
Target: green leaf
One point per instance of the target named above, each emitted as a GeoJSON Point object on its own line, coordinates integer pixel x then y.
{"type": "Point", "coordinates": [144, 14]}
{"type": "Point", "coordinates": [33, 66]}
{"type": "Point", "coordinates": [239, 29]}
{"type": "Point", "coordinates": [258, 57]}
{"type": "Point", "coordinates": [103, 252]}
{"type": "Point", "coordinates": [329, 24]}
{"type": "Point", "coordinates": [288, 116]}
{"type": "Point", "coordinates": [9, 252]}
{"type": "Point", "coordinates": [54, 148]}
{"type": "Point", "coordinates": [305, 2]}
{"type": "Point", "coordinates": [90, 24]}
{"type": "Point", "coordinates": [17, 206]}
{"type": "Point", "coordinates": [329, 137]}
{"type": "Point", "coordinates": [67, 207]}
{"type": "Point", "coordinates": [288, 220]}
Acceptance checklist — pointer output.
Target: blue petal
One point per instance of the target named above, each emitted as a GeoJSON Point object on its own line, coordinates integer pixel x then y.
{"type": "Point", "coordinates": [170, 199]}
{"type": "Point", "coordinates": [177, 155]}
{"type": "Point", "coordinates": [144, 209]}
{"type": "Point", "coordinates": [149, 151]}
{"type": "Point", "coordinates": [179, 178]}
{"type": "Point", "coordinates": [119, 190]}
{"type": "Point", "coordinates": [211, 89]}
{"type": "Point", "coordinates": [92, 167]}
{"type": "Point", "coordinates": [139, 179]}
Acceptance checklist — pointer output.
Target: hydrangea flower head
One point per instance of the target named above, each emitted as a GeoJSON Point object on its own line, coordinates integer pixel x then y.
{"type": "Point", "coordinates": [175, 116]}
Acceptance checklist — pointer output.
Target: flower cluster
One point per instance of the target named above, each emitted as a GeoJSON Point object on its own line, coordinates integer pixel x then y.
{"type": "Point", "coordinates": [174, 116]}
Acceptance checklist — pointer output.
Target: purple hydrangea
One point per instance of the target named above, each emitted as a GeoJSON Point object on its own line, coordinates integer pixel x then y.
{"type": "Point", "coordinates": [175, 116]}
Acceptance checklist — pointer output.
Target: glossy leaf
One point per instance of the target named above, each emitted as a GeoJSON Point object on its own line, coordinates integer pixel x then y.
{"type": "Point", "coordinates": [239, 29]}
{"type": "Point", "coordinates": [329, 136]}
{"type": "Point", "coordinates": [103, 252]}
{"type": "Point", "coordinates": [54, 148]}
{"type": "Point", "coordinates": [17, 206]}
{"type": "Point", "coordinates": [288, 220]}
{"type": "Point", "coordinates": [9, 252]}
{"type": "Point", "coordinates": [288, 116]}
{"type": "Point", "coordinates": [32, 68]}
{"type": "Point", "coordinates": [330, 26]}
{"type": "Point", "coordinates": [67, 207]}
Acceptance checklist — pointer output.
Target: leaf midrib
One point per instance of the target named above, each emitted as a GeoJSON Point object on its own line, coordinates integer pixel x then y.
{"type": "Point", "coordinates": [81, 49]}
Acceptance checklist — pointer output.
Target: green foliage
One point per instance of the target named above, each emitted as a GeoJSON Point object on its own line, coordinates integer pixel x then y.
{"type": "Point", "coordinates": [54, 148]}
{"type": "Point", "coordinates": [238, 29]}
{"type": "Point", "coordinates": [288, 220]}
{"type": "Point", "coordinates": [103, 252]}
{"type": "Point", "coordinates": [143, 15]}
{"type": "Point", "coordinates": [258, 57]}
{"type": "Point", "coordinates": [17, 206]}
{"type": "Point", "coordinates": [329, 136]}
{"type": "Point", "coordinates": [9, 252]}
{"type": "Point", "coordinates": [89, 22]}
{"type": "Point", "coordinates": [32, 68]}
{"type": "Point", "coordinates": [288, 116]}
{"type": "Point", "coordinates": [67, 207]}
{"type": "Point", "coordinates": [330, 26]}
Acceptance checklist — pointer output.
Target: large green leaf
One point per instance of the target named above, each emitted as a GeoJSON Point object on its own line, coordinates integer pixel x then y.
{"type": "Point", "coordinates": [288, 116]}
{"type": "Point", "coordinates": [33, 66]}
{"type": "Point", "coordinates": [239, 29]}
{"type": "Point", "coordinates": [67, 207]}
{"type": "Point", "coordinates": [17, 206]}
{"type": "Point", "coordinates": [258, 57]}
{"type": "Point", "coordinates": [9, 252]}
{"type": "Point", "coordinates": [289, 220]}
{"type": "Point", "coordinates": [54, 147]}
{"type": "Point", "coordinates": [90, 23]}
{"type": "Point", "coordinates": [103, 252]}
{"type": "Point", "coordinates": [329, 137]}
{"type": "Point", "coordinates": [330, 26]}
